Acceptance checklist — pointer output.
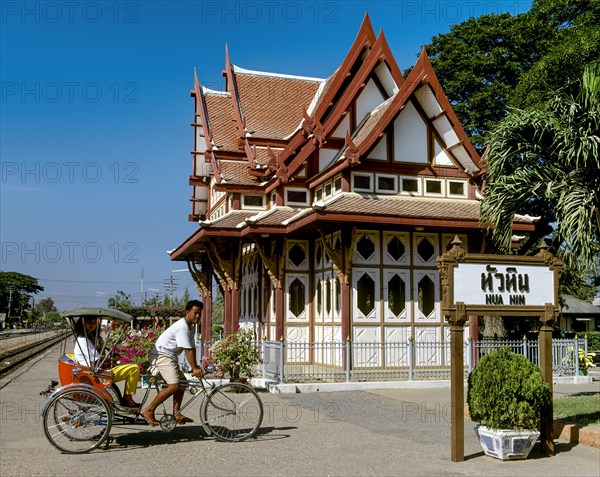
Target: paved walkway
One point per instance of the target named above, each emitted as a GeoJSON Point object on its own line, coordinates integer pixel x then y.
{"type": "Point", "coordinates": [387, 432]}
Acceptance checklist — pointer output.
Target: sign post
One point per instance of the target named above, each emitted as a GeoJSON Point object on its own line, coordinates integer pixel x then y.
{"type": "Point", "coordinates": [506, 285]}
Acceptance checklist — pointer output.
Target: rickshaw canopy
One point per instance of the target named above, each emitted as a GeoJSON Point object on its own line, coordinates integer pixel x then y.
{"type": "Point", "coordinates": [98, 311]}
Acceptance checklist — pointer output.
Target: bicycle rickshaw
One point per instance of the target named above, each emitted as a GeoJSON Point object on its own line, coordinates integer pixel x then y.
{"type": "Point", "coordinates": [78, 414]}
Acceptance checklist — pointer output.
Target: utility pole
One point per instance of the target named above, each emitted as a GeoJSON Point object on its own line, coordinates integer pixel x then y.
{"type": "Point", "coordinates": [142, 288]}
{"type": "Point", "coordinates": [10, 292]}
{"type": "Point", "coordinates": [171, 286]}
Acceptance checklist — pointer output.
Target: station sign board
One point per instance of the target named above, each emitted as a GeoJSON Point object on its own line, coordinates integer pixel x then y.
{"type": "Point", "coordinates": [501, 284]}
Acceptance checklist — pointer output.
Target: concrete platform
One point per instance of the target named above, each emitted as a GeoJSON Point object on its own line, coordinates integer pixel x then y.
{"type": "Point", "coordinates": [374, 432]}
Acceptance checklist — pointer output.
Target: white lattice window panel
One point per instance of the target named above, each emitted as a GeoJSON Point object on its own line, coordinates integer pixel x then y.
{"type": "Point", "coordinates": [296, 255]}
{"type": "Point", "coordinates": [396, 248]}
{"type": "Point", "coordinates": [426, 296]}
{"type": "Point", "coordinates": [366, 248]}
{"type": "Point", "coordinates": [296, 297]}
{"type": "Point", "coordinates": [365, 294]}
{"type": "Point", "coordinates": [396, 295]}
{"type": "Point", "coordinates": [425, 249]}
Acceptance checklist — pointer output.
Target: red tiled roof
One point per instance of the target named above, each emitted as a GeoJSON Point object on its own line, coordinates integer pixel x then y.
{"type": "Point", "coordinates": [221, 118]}
{"type": "Point", "coordinates": [417, 207]}
{"type": "Point", "coordinates": [230, 220]}
{"type": "Point", "coordinates": [272, 105]}
{"type": "Point", "coordinates": [277, 216]}
{"type": "Point", "coordinates": [236, 173]}
{"type": "Point", "coordinates": [326, 87]}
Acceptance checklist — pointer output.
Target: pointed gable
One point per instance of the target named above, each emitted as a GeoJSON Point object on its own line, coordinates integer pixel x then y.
{"type": "Point", "coordinates": [411, 130]}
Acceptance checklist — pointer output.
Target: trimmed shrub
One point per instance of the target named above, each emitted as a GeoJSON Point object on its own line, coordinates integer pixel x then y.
{"type": "Point", "coordinates": [507, 391]}
{"type": "Point", "coordinates": [593, 338]}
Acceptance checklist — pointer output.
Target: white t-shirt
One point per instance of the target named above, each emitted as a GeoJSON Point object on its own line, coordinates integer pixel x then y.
{"type": "Point", "coordinates": [175, 339]}
{"type": "Point", "coordinates": [85, 352]}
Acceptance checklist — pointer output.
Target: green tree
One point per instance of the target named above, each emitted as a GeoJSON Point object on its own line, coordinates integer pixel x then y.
{"type": "Point", "coordinates": [121, 299]}
{"type": "Point", "coordinates": [16, 291]}
{"type": "Point", "coordinates": [575, 43]}
{"type": "Point", "coordinates": [185, 297]}
{"type": "Point", "coordinates": [45, 305]}
{"type": "Point", "coordinates": [487, 63]}
{"type": "Point", "coordinates": [545, 162]}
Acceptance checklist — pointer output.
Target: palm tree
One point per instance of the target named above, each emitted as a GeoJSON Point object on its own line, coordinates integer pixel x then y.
{"type": "Point", "coordinates": [545, 162]}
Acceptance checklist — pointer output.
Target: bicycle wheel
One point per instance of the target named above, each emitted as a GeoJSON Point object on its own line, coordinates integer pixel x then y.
{"type": "Point", "coordinates": [77, 421]}
{"type": "Point", "coordinates": [233, 412]}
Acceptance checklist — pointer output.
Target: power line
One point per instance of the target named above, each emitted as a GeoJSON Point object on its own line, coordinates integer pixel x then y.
{"type": "Point", "coordinates": [90, 281]}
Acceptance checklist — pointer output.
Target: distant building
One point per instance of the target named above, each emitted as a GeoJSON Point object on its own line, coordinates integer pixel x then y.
{"type": "Point", "coordinates": [578, 315]}
{"type": "Point", "coordinates": [323, 203]}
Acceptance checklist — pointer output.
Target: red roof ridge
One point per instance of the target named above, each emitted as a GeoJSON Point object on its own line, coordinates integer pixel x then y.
{"type": "Point", "coordinates": [238, 70]}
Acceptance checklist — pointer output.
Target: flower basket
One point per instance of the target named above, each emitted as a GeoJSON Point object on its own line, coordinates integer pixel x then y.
{"type": "Point", "coordinates": [236, 354]}
{"type": "Point", "coordinates": [135, 346]}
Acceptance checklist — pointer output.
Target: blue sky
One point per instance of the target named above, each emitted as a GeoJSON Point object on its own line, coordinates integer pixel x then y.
{"type": "Point", "coordinates": [95, 111]}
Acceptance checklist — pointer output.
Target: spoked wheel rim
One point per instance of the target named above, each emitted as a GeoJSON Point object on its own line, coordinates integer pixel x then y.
{"type": "Point", "coordinates": [77, 421]}
{"type": "Point", "coordinates": [233, 412]}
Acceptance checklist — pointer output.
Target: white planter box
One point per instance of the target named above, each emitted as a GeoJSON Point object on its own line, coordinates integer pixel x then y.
{"type": "Point", "coordinates": [507, 444]}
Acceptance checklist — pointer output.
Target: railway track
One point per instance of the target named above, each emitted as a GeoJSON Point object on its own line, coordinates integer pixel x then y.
{"type": "Point", "coordinates": [14, 358]}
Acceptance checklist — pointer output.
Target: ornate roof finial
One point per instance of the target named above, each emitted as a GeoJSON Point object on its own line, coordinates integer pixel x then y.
{"type": "Point", "coordinates": [273, 161]}
{"type": "Point", "coordinates": [307, 122]}
{"type": "Point", "coordinates": [319, 134]}
{"type": "Point", "coordinates": [252, 157]}
{"type": "Point", "coordinates": [282, 172]}
{"type": "Point", "coordinates": [351, 154]}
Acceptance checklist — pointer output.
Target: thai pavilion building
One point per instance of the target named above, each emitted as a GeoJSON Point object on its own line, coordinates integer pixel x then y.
{"type": "Point", "coordinates": [322, 204]}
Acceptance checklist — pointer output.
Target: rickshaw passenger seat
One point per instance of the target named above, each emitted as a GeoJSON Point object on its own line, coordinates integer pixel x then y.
{"type": "Point", "coordinates": [65, 368]}
{"type": "Point", "coordinates": [70, 372]}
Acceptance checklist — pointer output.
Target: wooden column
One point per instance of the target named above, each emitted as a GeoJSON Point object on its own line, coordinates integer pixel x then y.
{"type": "Point", "coordinates": [474, 335]}
{"type": "Point", "coordinates": [279, 305]}
{"type": "Point", "coordinates": [227, 311]}
{"type": "Point", "coordinates": [346, 328]}
{"type": "Point", "coordinates": [234, 322]}
{"type": "Point", "coordinates": [545, 339]}
{"type": "Point", "coordinates": [206, 323]}
{"type": "Point", "coordinates": [457, 385]}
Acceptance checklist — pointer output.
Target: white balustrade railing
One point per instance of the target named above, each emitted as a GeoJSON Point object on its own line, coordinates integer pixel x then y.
{"type": "Point", "coordinates": [410, 360]}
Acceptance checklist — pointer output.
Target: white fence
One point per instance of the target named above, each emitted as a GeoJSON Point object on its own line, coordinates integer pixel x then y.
{"type": "Point", "coordinates": [374, 361]}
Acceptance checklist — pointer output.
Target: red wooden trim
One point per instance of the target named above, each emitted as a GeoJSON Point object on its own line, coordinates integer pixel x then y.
{"type": "Point", "coordinates": [234, 94]}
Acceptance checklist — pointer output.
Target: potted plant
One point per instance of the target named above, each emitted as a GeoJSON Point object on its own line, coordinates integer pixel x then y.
{"type": "Point", "coordinates": [586, 361]}
{"type": "Point", "coordinates": [506, 395]}
{"type": "Point", "coordinates": [236, 354]}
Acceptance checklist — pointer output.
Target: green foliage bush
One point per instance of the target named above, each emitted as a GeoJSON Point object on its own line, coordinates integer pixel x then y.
{"type": "Point", "coordinates": [506, 391]}
{"type": "Point", "coordinates": [593, 338]}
